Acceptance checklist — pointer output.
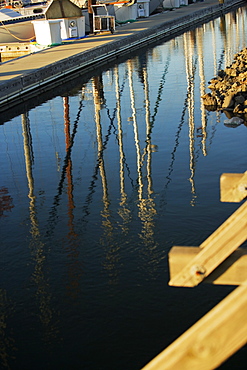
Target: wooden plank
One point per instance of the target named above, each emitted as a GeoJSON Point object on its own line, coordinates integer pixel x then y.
{"type": "Point", "coordinates": [214, 338]}
{"type": "Point", "coordinates": [233, 187]}
{"type": "Point", "coordinates": [232, 271]}
{"type": "Point", "coordinates": [215, 249]}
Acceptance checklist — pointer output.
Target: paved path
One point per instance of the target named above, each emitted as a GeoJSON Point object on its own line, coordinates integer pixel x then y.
{"type": "Point", "coordinates": [21, 76]}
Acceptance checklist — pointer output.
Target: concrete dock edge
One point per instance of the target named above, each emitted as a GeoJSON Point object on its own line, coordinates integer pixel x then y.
{"type": "Point", "coordinates": [20, 88]}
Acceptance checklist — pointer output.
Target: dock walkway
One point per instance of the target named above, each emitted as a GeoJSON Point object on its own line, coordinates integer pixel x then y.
{"type": "Point", "coordinates": [26, 76]}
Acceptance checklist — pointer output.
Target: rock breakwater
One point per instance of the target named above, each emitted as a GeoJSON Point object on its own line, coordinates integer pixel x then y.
{"type": "Point", "coordinates": [229, 89]}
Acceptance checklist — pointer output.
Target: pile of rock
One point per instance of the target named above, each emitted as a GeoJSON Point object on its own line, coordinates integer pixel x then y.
{"type": "Point", "coordinates": [229, 89]}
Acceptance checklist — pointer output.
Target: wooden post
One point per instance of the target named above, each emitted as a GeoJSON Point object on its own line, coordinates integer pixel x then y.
{"type": "Point", "coordinates": [233, 187]}
{"type": "Point", "coordinates": [215, 249]}
{"type": "Point", "coordinates": [233, 271]}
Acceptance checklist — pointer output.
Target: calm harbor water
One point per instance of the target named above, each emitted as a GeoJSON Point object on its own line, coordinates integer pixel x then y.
{"type": "Point", "coordinates": [97, 185]}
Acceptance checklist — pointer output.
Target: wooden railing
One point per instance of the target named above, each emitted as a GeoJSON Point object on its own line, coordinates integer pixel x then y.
{"type": "Point", "coordinates": [218, 260]}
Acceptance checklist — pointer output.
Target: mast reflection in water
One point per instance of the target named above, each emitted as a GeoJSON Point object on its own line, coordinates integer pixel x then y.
{"type": "Point", "coordinates": [96, 187]}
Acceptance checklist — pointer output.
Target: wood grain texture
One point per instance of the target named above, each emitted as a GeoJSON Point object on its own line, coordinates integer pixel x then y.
{"type": "Point", "coordinates": [233, 187]}
{"type": "Point", "coordinates": [208, 343]}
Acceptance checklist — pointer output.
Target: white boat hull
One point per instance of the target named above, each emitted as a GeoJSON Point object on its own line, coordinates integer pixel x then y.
{"type": "Point", "coordinates": [17, 32]}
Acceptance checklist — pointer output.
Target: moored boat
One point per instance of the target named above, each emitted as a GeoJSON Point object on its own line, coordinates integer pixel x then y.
{"type": "Point", "coordinates": [16, 23]}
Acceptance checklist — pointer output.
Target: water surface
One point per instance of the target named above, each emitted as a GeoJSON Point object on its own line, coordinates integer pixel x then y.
{"type": "Point", "coordinates": [96, 187]}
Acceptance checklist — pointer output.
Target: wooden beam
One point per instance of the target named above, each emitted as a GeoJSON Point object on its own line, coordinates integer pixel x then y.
{"type": "Point", "coordinates": [215, 249]}
{"type": "Point", "coordinates": [214, 338]}
{"type": "Point", "coordinates": [233, 187]}
{"type": "Point", "coordinates": [232, 271]}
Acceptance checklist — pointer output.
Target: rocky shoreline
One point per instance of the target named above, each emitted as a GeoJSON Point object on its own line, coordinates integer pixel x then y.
{"type": "Point", "coordinates": [229, 90]}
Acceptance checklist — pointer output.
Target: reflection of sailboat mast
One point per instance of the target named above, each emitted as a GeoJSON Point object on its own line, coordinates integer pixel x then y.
{"type": "Point", "coordinates": [212, 23]}
{"type": "Point", "coordinates": [36, 245]}
{"type": "Point", "coordinates": [97, 104]}
{"type": "Point", "coordinates": [71, 204]}
{"type": "Point", "coordinates": [148, 132]}
{"type": "Point", "coordinates": [242, 18]}
{"type": "Point", "coordinates": [217, 67]}
{"type": "Point", "coordinates": [74, 268]}
{"type": "Point", "coordinates": [189, 73]}
{"type": "Point", "coordinates": [227, 48]}
{"type": "Point", "coordinates": [123, 211]}
{"type": "Point", "coordinates": [112, 248]}
{"type": "Point", "coordinates": [56, 202]}
{"type": "Point", "coordinates": [29, 161]}
{"type": "Point", "coordinates": [146, 206]}
{"type": "Point", "coordinates": [120, 139]}
{"type": "Point", "coordinates": [100, 157]}
{"type": "Point", "coordinates": [136, 135]}
{"type": "Point", "coordinates": [202, 89]}
{"type": "Point", "coordinates": [237, 43]}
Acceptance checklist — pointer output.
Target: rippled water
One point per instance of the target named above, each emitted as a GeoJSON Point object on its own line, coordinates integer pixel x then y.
{"type": "Point", "coordinates": [96, 187]}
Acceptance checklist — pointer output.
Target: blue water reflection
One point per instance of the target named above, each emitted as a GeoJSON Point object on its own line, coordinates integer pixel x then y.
{"type": "Point", "coordinates": [96, 187]}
